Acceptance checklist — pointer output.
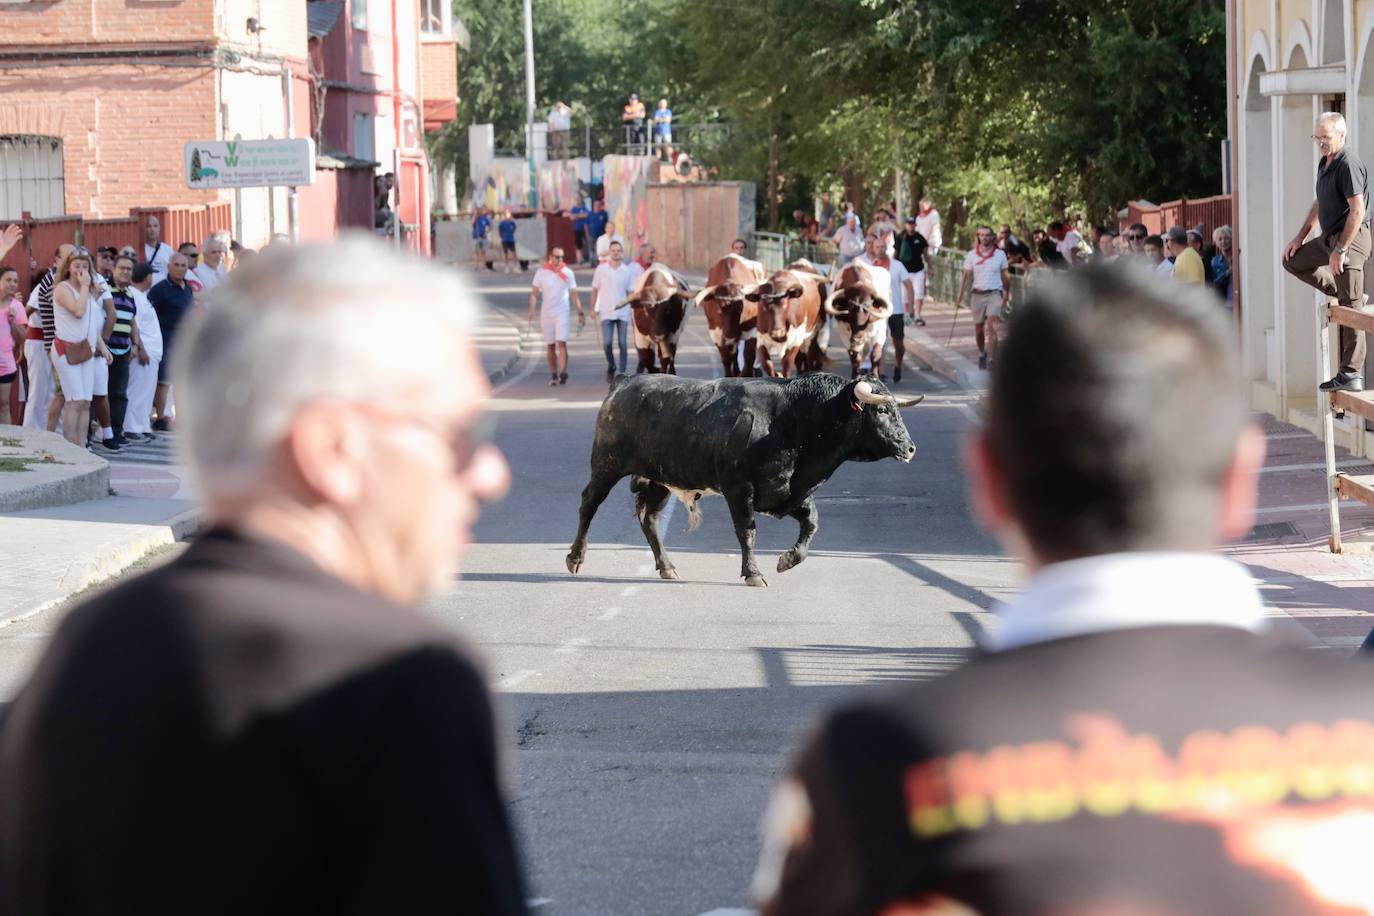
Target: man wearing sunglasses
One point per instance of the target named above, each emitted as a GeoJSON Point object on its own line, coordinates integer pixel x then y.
{"type": "Point", "coordinates": [268, 723]}
{"type": "Point", "coordinates": [554, 281]}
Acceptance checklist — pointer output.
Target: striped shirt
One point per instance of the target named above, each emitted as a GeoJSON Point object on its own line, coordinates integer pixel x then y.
{"type": "Point", "coordinates": [44, 293]}
{"type": "Point", "coordinates": [121, 336]}
{"type": "Point", "coordinates": [987, 271]}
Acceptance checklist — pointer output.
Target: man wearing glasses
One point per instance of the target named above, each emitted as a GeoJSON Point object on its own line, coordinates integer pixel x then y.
{"type": "Point", "coordinates": [1136, 236]}
{"type": "Point", "coordinates": [556, 283]}
{"type": "Point", "coordinates": [1333, 259]}
{"type": "Point", "coordinates": [269, 722]}
{"type": "Point", "coordinates": [211, 271]}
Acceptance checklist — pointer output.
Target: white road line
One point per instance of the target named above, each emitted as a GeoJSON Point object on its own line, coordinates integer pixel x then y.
{"type": "Point", "coordinates": [517, 378]}
{"type": "Point", "coordinates": [629, 590]}
{"type": "Point", "coordinates": [1314, 466]}
{"type": "Point", "coordinates": [515, 679]}
{"type": "Point", "coordinates": [1282, 510]}
{"type": "Point", "coordinates": [538, 902]}
{"type": "Point", "coordinates": [611, 613]}
{"type": "Point", "coordinates": [571, 646]}
{"type": "Point", "coordinates": [730, 912]}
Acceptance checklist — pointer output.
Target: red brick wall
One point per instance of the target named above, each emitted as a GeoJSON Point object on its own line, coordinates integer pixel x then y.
{"type": "Point", "coordinates": [438, 71]}
{"type": "Point", "coordinates": [122, 130]}
{"type": "Point", "coordinates": [108, 21]}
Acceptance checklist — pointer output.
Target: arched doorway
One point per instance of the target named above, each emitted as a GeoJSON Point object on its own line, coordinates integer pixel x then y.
{"type": "Point", "coordinates": [1295, 183]}
{"type": "Point", "coordinates": [1333, 33]}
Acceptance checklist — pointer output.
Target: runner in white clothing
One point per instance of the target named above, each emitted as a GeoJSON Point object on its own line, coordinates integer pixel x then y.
{"type": "Point", "coordinates": [928, 224]}
{"type": "Point", "coordinates": [611, 285]}
{"type": "Point", "coordinates": [986, 271]}
{"type": "Point", "coordinates": [555, 281]}
{"type": "Point", "coordinates": [877, 256]}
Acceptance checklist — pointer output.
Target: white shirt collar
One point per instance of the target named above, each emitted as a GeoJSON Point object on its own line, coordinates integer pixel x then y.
{"type": "Point", "coordinates": [1124, 590]}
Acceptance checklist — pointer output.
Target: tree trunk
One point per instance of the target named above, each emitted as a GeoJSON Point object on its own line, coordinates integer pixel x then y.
{"type": "Point", "coordinates": [772, 172]}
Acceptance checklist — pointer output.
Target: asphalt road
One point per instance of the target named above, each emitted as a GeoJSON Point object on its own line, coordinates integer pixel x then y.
{"type": "Point", "coordinates": [646, 720]}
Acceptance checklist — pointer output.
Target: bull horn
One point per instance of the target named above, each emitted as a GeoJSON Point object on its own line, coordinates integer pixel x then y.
{"type": "Point", "coordinates": [701, 295]}
{"type": "Point", "coordinates": [880, 314]}
{"type": "Point", "coordinates": [908, 402]}
{"type": "Point", "coordinates": [864, 394]}
{"type": "Point", "coordinates": [830, 308]}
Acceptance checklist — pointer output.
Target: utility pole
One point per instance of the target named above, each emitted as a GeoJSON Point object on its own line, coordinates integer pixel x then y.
{"type": "Point", "coordinates": [529, 102]}
{"type": "Point", "coordinates": [898, 186]}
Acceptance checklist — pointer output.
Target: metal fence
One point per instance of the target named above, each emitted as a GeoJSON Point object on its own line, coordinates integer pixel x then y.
{"type": "Point", "coordinates": [944, 268]}
{"type": "Point", "coordinates": [638, 140]}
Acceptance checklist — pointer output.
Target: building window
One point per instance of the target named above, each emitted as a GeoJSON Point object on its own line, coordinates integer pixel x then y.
{"type": "Point", "coordinates": [434, 18]}
{"type": "Point", "coordinates": [360, 15]}
{"type": "Point", "coordinates": [364, 144]}
{"type": "Point", "coordinates": [31, 176]}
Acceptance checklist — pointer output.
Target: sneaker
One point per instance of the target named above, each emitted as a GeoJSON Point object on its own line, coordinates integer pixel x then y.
{"type": "Point", "coordinates": [110, 445]}
{"type": "Point", "coordinates": [553, 381]}
{"type": "Point", "coordinates": [120, 440]}
{"type": "Point", "coordinates": [162, 426]}
{"type": "Point", "coordinates": [562, 378]}
{"type": "Point", "coordinates": [982, 360]}
{"type": "Point", "coordinates": [610, 373]}
{"type": "Point", "coordinates": [896, 375]}
{"type": "Point", "coordinates": [920, 322]}
{"type": "Point", "coordinates": [1343, 381]}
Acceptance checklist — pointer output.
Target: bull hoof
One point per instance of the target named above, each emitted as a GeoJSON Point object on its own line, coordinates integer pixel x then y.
{"type": "Point", "coordinates": [668, 572]}
{"type": "Point", "coordinates": [574, 563]}
{"type": "Point", "coordinates": [756, 582]}
{"type": "Point", "coordinates": [790, 559]}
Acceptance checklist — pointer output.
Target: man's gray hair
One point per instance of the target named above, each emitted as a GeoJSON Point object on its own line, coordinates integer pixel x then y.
{"type": "Point", "coordinates": [1334, 118]}
{"type": "Point", "coordinates": [353, 320]}
{"type": "Point", "coordinates": [222, 236]}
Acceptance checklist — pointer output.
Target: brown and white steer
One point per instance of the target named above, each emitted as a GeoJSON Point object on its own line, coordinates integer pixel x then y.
{"type": "Point", "coordinates": [860, 307]}
{"type": "Point", "coordinates": [731, 319]}
{"type": "Point", "coordinates": [790, 319]}
{"type": "Point", "coordinates": [659, 301]}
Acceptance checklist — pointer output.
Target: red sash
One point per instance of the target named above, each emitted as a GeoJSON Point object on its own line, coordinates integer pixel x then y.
{"type": "Point", "coordinates": [983, 258]}
{"type": "Point", "coordinates": [561, 271]}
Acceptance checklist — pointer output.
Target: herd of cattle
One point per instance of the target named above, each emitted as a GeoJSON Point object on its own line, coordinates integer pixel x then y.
{"type": "Point", "coordinates": [765, 445]}
{"type": "Point", "coordinates": [778, 321]}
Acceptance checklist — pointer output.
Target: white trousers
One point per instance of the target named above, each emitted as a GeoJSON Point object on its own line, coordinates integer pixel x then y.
{"type": "Point", "coordinates": [40, 385]}
{"type": "Point", "coordinates": [142, 387]}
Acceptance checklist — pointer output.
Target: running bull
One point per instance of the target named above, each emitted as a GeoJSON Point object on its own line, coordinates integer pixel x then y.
{"type": "Point", "coordinates": [731, 318]}
{"type": "Point", "coordinates": [766, 445]}
{"type": "Point", "coordinates": [860, 308]}
{"type": "Point", "coordinates": [659, 303]}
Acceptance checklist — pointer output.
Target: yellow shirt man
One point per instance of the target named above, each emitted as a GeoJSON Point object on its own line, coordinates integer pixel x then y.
{"type": "Point", "coordinates": [1188, 267]}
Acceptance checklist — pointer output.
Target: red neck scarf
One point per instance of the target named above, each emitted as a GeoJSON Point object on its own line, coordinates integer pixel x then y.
{"type": "Point", "coordinates": [978, 253]}
{"type": "Point", "coordinates": [884, 261]}
{"type": "Point", "coordinates": [925, 212]}
{"type": "Point", "coordinates": [561, 270]}
{"type": "Point", "coordinates": [641, 263]}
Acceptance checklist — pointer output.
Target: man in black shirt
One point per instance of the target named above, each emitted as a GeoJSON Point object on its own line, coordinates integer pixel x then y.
{"type": "Point", "coordinates": [172, 299]}
{"type": "Point", "coordinates": [1333, 260]}
{"type": "Point", "coordinates": [1132, 739]}
{"type": "Point", "coordinates": [269, 724]}
{"type": "Point", "coordinates": [911, 251]}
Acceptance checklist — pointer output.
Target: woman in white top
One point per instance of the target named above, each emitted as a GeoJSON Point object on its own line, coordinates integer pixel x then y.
{"type": "Point", "coordinates": [77, 316]}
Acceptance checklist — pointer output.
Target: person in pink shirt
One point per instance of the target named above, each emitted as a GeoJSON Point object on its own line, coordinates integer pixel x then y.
{"type": "Point", "coordinates": [13, 330]}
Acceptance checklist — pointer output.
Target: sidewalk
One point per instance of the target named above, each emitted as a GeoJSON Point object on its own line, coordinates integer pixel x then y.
{"type": "Point", "coordinates": [52, 554]}
{"type": "Point", "coordinates": [1331, 595]}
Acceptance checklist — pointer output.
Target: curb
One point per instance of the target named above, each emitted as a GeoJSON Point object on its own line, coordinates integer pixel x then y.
{"type": "Point", "coordinates": [952, 366]}
{"type": "Point", "coordinates": [74, 474]}
{"type": "Point", "coordinates": [94, 569]}
{"type": "Point", "coordinates": [498, 374]}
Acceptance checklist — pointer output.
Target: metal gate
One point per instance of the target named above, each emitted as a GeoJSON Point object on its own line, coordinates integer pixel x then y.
{"type": "Point", "coordinates": [31, 176]}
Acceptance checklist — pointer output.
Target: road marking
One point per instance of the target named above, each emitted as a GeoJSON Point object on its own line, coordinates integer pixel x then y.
{"type": "Point", "coordinates": [571, 646]}
{"type": "Point", "coordinates": [629, 590]}
{"type": "Point", "coordinates": [1314, 466]}
{"type": "Point", "coordinates": [516, 679]}
{"type": "Point", "coordinates": [611, 613]}
{"type": "Point", "coordinates": [517, 378]}
{"type": "Point", "coordinates": [1280, 510]}
{"type": "Point", "coordinates": [538, 901]}
{"type": "Point", "coordinates": [730, 912]}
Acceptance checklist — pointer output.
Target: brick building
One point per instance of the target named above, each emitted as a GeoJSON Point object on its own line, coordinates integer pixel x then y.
{"type": "Point", "coordinates": [98, 98]}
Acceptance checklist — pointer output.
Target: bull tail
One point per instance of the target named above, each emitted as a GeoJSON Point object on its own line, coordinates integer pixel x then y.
{"type": "Point", "coordinates": [693, 513]}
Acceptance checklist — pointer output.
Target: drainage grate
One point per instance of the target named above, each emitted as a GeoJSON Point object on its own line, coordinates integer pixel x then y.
{"type": "Point", "coordinates": [1271, 531]}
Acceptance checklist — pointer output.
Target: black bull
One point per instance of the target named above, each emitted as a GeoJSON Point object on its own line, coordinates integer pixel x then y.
{"type": "Point", "coordinates": [766, 445]}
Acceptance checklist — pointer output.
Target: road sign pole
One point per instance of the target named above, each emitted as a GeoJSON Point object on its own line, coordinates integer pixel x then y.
{"type": "Point", "coordinates": [292, 206]}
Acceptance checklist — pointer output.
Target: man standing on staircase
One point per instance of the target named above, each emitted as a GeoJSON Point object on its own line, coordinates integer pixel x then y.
{"type": "Point", "coordinates": [1333, 259]}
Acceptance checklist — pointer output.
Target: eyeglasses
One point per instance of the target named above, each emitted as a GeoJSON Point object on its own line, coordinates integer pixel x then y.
{"type": "Point", "coordinates": [463, 442]}
{"type": "Point", "coordinates": [555, 257]}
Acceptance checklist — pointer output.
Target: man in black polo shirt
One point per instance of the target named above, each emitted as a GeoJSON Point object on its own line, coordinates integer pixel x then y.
{"type": "Point", "coordinates": [1333, 260]}
{"type": "Point", "coordinates": [1133, 739]}
{"type": "Point", "coordinates": [172, 300]}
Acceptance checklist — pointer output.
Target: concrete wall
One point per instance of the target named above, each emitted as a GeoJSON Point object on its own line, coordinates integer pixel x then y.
{"type": "Point", "coordinates": [692, 225]}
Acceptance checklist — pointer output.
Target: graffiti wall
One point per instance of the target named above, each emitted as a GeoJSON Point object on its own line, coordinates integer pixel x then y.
{"type": "Point", "coordinates": [559, 184]}
{"type": "Point", "coordinates": [626, 179]}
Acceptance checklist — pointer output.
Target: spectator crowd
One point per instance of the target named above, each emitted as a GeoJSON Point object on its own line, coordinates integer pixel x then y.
{"type": "Point", "coordinates": [90, 347]}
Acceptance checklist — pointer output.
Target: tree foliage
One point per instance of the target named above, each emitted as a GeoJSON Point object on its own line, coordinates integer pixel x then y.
{"type": "Point", "coordinates": [1002, 112]}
